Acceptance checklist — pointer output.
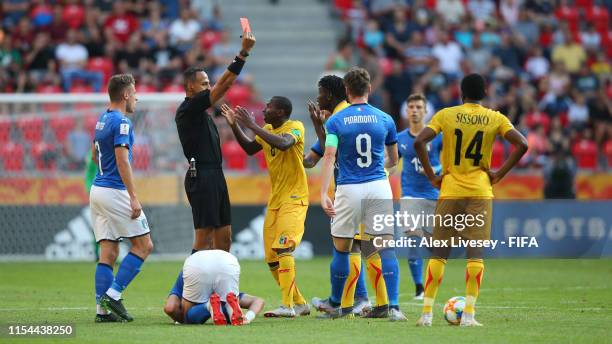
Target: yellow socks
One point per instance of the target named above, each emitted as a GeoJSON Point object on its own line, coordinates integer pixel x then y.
{"type": "Point", "coordinates": [374, 268]}
{"type": "Point", "coordinates": [348, 293]}
{"type": "Point", "coordinates": [286, 277]}
{"type": "Point", "coordinates": [433, 278]}
{"type": "Point", "coordinates": [473, 277]}
{"type": "Point", "coordinates": [298, 298]}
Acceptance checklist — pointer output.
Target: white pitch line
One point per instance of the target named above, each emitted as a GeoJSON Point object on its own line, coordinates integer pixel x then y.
{"type": "Point", "coordinates": [595, 309]}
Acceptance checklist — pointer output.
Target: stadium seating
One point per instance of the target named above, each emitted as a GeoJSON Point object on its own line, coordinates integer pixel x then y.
{"type": "Point", "coordinates": [61, 126]}
{"type": "Point", "coordinates": [234, 156]}
{"type": "Point", "coordinates": [141, 157]}
{"type": "Point", "coordinates": [101, 64]}
{"type": "Point", "coordinates": [12, 156]}
{"type": "Point", "coordinates": [498, 156]}
{"type": "Point", "coordinates": [585, 152]}
{"type": "Point", "coordinates": [31, 128]}
{"type": "Point", "coordinates": [44, 156]}
{"type": "Point", "coordinates": [5, 130]}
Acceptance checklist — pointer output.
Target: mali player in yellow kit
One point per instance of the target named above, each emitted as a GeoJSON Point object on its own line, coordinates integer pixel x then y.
{"type": "Point", "coordinates": [282, 141]}
{"type": "Point", "coordinates": [465, 183]}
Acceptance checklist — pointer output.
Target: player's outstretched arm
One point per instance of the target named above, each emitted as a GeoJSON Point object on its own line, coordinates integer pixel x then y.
{"type": "Point", "coordinates": [520, 148]}
{"type": "Point", "coordinates": [329, 158]}
{"type": "Point", "coordinates": [253, 305]}
{"type": "Point", "coordinates": [392, 156]}
{"type": "Point", "coordinates": [125, 171]}
{"type": "Point", "coordinates": [282, 142]}
{"type": "Point", "coordinates": [420, 142]}
{"type": "Point", "coordinates": [311, 159]}
{"type": "Point", "coordinates": [317, 118]}
{"type": "Point", "coordinates": [249, 145]}
{"type": "Point", "coordinates": [227, 79]}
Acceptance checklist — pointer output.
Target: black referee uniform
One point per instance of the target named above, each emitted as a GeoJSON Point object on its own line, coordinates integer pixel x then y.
{"type": "Point", "coordinates": [207, 190]}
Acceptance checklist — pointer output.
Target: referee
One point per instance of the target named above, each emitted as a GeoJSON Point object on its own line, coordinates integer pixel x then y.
{"type": "Point", "coordinates": [204, 182]}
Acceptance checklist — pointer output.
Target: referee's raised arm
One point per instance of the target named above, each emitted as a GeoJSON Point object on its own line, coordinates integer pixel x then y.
{"type": "Point", "coordinates": [205, 183]}
{"type": "Point", "coordinates": [227, 79]}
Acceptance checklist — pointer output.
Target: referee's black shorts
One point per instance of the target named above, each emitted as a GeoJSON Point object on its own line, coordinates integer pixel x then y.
{"type": "Point", "coordinates": [208, 197]}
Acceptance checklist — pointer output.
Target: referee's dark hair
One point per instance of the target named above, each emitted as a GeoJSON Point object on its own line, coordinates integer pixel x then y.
{"type": "Point", "coordinates": [190, 73]}
{"type": "Point", "coordinates": [473, 87]}
{"type": "Point", "coordinates": [357, 81]}
{"type": "Point", "coordinates": [334, 85]}
{"type": "Point", "coordinates": [283, 103]}
{"type": "Point", "coordinates": [117, 85]}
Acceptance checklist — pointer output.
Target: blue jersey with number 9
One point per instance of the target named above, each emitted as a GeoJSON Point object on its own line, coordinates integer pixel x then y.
{"type": "Point", "coordinates": [113, 129]}
{"type": "Point", "coordinates": [362, 131]}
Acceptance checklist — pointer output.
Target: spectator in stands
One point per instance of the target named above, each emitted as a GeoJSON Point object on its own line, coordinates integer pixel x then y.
{"type": "Point", "coordinates": [369, 61]}
{"type": "Point", "coordinates": [590, 38]}
{"type": "Point", "coordinates": [418, 55]}
{"type": "Point", "coordinates": [373, 37]}
{"type": "Point", "coordinates": [537, 65]}
{"type": "Point", "coordinates": [479, 56]}
{"type": "Point", "coordinates": [578, 111]}
{"type": "Point", "coordinates": [398, 33]}
{"type": "Point", "coordinates": [601, 67]}
{"type": "Point", "coordinates": [79, 144]}
{"type": "Point", "coordinates": [509, 10]}
{"type": "Point", "coordinates": [569, 52]}
{"type": "Point", "coordinates": [538, 147]}
{"type": "Point", "coordinates": [72, 57]}
{"type": "Point", "coordinates": [184, 30]}
{"type": "Point", "coordinates": [153, 24]}
{"type": "Point", "coordinates": [449, 54]}
{"type": "Point", "coordinates": [559, 175]}
{"type": "Point", "coordinates": [341, 60]}
{"type": "Point", "coordinates": [482, 10]}
{"type": "Point", "coordinates": [13, 11]}
{"type": "Point", "coordinates": [527, 29]}
{"type": "Point", "coordinates": [120, 24]}
{"type": "Point", "coordinates": [508, 53]}
{"type": "Point", "coordinates": [23, 37]}
{"type": "Point", "coordinates": [397, 87]}
{"type": "Point", "coordinates": [586, 82]}
{"type": "Point", "coordinates": [41, 58]}
{"type": "Point", "coordinates": [600, 114]}
{"type": "Point", "coordinates": [452, 11]}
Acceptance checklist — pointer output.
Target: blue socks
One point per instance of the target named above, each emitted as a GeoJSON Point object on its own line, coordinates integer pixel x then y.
{"type": "Point", "coordinates": [129, 268]}
{"type": "Point", "coordinates": [197, 314]}
{"type": "Point", "coordinates": [416, 270]}
{"type": "Point", "coordinates": [103, 279]}
{"type": "Point", "coordinates": [361, 291]}
{"type": "Point", "coordinates": [339, 270]}
{"type": "Point", "coordinates": [177, 288]}
{"type": "Point", "coordinates": [390, 269]}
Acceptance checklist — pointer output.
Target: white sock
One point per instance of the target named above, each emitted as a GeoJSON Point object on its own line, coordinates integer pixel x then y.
{"type": "Point", "coordinates": [115, 295]}
{"type": "Point", "coordinates": [100, 310]}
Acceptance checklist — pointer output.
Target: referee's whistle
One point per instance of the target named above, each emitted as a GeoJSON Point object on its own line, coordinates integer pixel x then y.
{"type": "Point", "coordinates": [193, 172]}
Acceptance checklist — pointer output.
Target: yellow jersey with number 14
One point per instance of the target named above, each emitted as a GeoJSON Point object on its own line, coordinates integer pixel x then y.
{"type": "Point", "coordinates": [286, 169]}
{"type": "Point", "coordinates": [469, 131]}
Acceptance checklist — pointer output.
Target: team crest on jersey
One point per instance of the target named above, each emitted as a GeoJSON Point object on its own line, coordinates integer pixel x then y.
{"type": "Point", "coordinates": [282, 240]}
{"type": "Point", "coordinates": [124, 129]}
{"type": "Point", "coordinates": [296, 132]}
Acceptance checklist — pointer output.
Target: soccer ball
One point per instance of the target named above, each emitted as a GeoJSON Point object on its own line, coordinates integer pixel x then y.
{"type": "Point", "coordinates": [453, 309]}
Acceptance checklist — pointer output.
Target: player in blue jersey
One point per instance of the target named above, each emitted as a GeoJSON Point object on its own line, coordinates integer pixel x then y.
{"type": "Point", "coordinates": [418, 195]}
{"type": "Point", "coordinates": [209, 289]}
{"type": "Point", "coordinates": [330, 100]}
{"type": "Point", "coordinates": [360, 135]}
{"type": "Point", "coordinates": [116, 212]}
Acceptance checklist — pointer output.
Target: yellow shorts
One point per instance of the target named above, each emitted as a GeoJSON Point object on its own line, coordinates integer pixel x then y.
{"type": "Point", "coordinates": [479, 211]}
{"type": "Point", "coordinates": [283, 228]}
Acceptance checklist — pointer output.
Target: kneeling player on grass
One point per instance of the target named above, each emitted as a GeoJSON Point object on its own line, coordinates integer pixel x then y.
{"type": "Point", "coordinates": [469, 131]}
{"type": "Point", "coordinates": [209, 289]}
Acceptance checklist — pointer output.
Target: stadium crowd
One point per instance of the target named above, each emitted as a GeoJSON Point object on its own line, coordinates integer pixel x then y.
{"type": "Point", "coordinates": [74, 46]}
{"type": "Point", "coordinates": [547, 64]}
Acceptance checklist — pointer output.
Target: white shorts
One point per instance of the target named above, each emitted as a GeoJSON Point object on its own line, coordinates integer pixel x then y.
{"type": "Point", "coordinates": [210, 271]}
{"type": "Point", "coordinates": [360, 203]}
{"type": "Point", "coordinates": [418, 206]}
{"type": "Point", "coordinates": [111, 215]}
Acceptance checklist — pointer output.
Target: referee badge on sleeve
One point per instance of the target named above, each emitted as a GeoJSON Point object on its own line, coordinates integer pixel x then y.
{"type": "Point", "coordinates": [124, 129]}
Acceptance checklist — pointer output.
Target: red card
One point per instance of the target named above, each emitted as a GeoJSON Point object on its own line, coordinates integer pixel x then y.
{"type": "Point", "coordinates": [245, 25]}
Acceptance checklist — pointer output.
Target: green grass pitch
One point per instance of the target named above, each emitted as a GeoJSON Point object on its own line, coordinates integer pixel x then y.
{"type": "Point", "coordinates": [522, 301]}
